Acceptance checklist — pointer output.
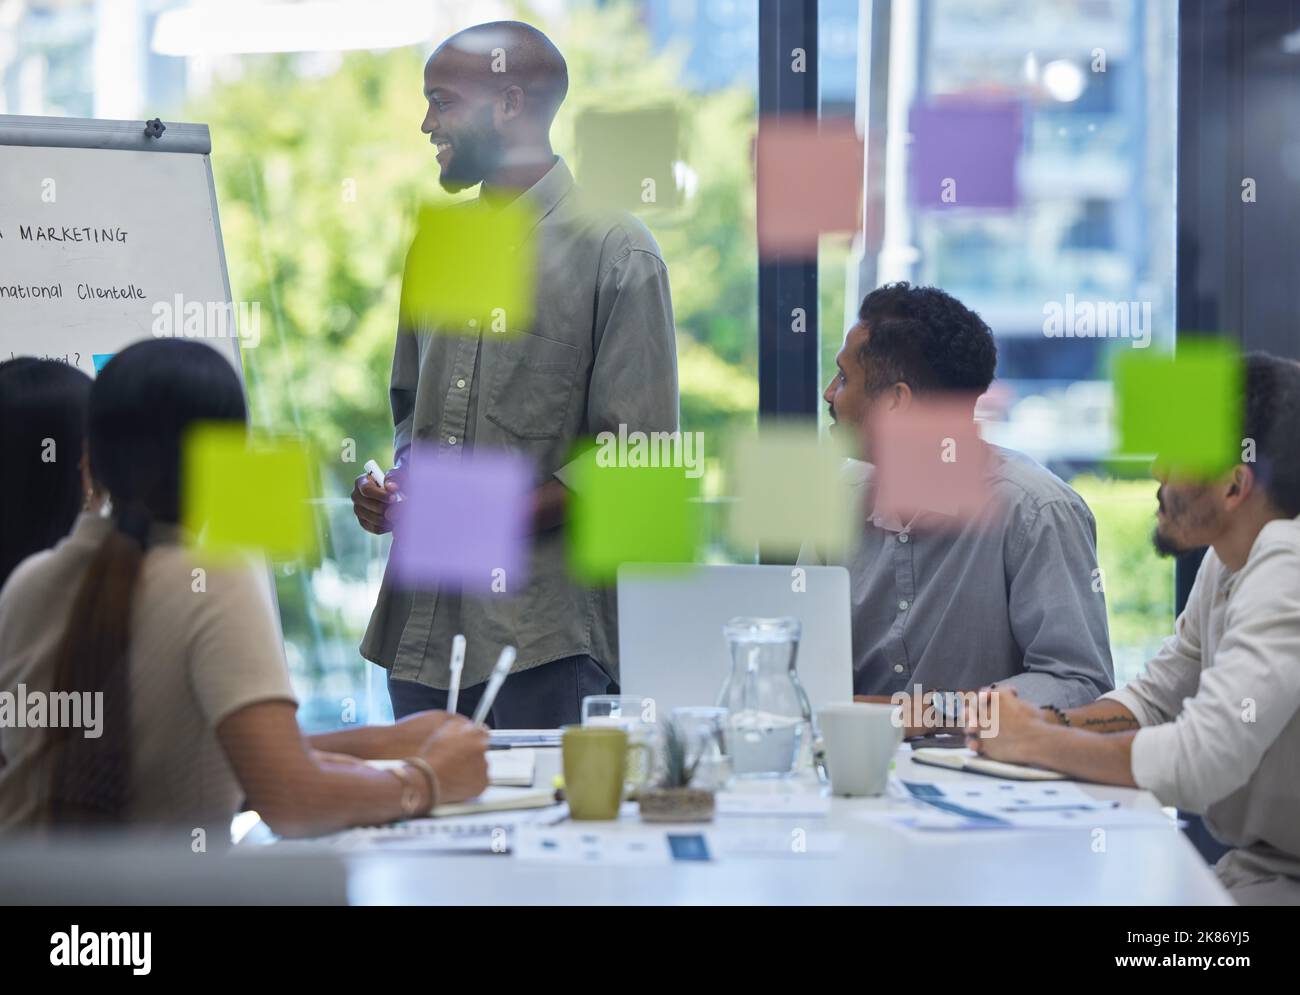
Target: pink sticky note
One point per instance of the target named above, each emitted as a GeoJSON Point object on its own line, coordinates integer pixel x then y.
{"type": "Point", "coordinates": [464, 521]}
{"type": "Point", "coordinates": [809, 182]}
{"type": "Point", "coordinates": [929, 458]}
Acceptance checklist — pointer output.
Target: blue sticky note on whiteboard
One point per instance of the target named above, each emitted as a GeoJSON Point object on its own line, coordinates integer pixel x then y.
{"type": "Point", "coordinates": [100, 359]}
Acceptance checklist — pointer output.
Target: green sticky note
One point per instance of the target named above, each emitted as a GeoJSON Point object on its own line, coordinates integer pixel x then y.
{"type": "Point", "coordinates": [630, 514]}
{"type": "Point", "coordinates": [471, 266]}
{"type": "Point", "coordinates": [790, 488]}
{"type": "Point", "coordinates": [1184, 410]}
{"type": "Point", "coordinates": [625, 158]}
{"type": "Point", "coordinates": [239, 496]}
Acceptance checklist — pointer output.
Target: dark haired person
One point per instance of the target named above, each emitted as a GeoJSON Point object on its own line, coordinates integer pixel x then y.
{"type": "Point", "coordinates": [182, 699]}
{"type": "Point", "coordinates": [1213, 724]}
{"type": "Point", "coordinates": [956, 606]}
{"type": "Point", "coordinates": [42, 417]}
{"type": "Point", "coordinates": [600, 353]}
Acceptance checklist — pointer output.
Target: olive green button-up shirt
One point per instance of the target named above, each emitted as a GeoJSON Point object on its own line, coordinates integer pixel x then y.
{"type": "Point", "coordinates": [600, 352]}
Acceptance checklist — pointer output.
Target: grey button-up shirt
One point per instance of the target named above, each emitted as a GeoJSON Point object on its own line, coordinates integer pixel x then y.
{"type": "Point", "coordinates": [1014, 599]}
{"type": "Point", "coordinates": [600, 352]}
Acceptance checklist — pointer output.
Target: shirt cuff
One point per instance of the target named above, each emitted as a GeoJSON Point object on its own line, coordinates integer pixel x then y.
{"type": "Point", "coordinates": [1042, 688]}
{"type": "Point", "coordinates": [1153, 761]}
{"type": "Point", "coordinates": [1135, 705]}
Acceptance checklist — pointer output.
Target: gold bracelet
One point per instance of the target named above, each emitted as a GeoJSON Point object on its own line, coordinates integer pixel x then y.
{"type": "Point", "coordinates": [423, 766]}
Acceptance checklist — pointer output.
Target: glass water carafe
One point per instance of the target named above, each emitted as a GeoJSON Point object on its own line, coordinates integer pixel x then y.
{"type": "Point", "coordinates": [769, 718]}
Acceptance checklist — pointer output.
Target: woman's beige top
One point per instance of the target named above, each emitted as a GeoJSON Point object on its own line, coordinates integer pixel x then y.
{"type": "Point", "coordinates": [204, 643]}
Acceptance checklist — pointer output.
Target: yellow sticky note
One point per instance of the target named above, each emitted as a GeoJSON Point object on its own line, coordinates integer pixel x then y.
{"type": "Point", "coordinates": [790, 489]}
{"type": "Point", "coordinates": [471, 267]}
{"type": "Point", "coordinates": [626, 158]}
{"type": "Point", "coordinates": [1185, 410]}
{"type": "Point", "coordinates": [239, 496]}
{"type": "Point", "coordinates": [630, 512]}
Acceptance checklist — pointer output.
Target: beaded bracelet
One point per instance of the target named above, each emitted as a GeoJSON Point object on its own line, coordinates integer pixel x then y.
{"type": "Point", "coordinates": [1065, 719]}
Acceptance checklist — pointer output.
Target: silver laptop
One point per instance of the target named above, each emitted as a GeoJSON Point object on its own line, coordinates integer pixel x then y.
{"type": "Point", "coordinates": [670, 642]}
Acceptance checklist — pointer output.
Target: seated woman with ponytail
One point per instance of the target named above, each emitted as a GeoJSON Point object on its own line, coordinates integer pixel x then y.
{"type": "Point", "coordinates": [185, 703]}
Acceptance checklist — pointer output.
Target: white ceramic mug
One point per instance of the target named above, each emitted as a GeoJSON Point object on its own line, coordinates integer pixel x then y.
{"type": "Point", "coordinates": [860, 739]}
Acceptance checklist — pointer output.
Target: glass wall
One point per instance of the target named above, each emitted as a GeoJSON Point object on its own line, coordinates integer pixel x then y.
{"type": "Point", "coordinates": [316, 221]}
{"type": "Point", "coordinates": [1078, 103]}
{"type": "Point", "coordinates": [319, 160]}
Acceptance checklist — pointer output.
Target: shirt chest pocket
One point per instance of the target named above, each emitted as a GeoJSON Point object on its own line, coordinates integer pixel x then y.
{"type": "Point", "coordinates": [532, 385]}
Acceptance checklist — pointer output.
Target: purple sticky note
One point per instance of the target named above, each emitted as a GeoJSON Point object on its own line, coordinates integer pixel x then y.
{"type": "Point", "coordinates": [464, 521]}
{"type": "Point", "coordinates": [964, 153]}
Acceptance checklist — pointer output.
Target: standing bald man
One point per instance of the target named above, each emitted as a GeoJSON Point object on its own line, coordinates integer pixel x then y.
{"type": "Point", "coordinates": [600, 352]}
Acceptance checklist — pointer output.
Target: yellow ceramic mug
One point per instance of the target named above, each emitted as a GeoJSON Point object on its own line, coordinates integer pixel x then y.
{"type": "Point", "coordinates": [595, 764]}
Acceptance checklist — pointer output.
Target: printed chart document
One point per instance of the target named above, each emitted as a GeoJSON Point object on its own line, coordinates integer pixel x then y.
{"type": "Point", "coordinates": [997, 804]}
{"type": "Point", "coordinates": [642, 845]}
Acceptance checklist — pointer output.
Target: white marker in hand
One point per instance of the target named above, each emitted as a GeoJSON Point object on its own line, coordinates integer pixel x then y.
{"type": "Point", "coordinates": [504, 662]}
{"type": "Point", "coordinates": [457, 665]}
{"type": "Point", "coordinates": [377, 475]}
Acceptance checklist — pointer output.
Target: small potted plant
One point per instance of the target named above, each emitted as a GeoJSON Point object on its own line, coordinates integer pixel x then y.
{"type": "Point", "coordinates": [673, 799]}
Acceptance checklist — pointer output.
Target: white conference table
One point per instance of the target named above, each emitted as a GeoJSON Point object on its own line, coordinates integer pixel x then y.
{"type": "Point", "coordinates": [878, 863]}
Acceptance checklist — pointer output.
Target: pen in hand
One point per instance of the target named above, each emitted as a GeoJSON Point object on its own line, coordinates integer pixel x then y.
{"type": "Point", "coordinates": [457, 665]}
{"type": "Point", "coordinates": [504, 662]}
{"type": "Point", "coordinates": [377, 475]}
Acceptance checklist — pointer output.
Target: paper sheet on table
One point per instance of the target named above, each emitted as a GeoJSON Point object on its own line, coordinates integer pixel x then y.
{"type": "Point", "coordinates": [646, 846]}
{"type": "Point", "coordinates": [1010, 805]}
{"type": "Point", "coordinates": [516, 738]}
{"type": "Point", "coordinates": [469, 833]}
{"type": "Point", "coordinates": [512, 768]}
{"type": "Point", "coordinates": [801, 804]}
{"type": "Point", "coordinates": [575, 844]}
{"type": "Point", "coordinates": [776, 843]}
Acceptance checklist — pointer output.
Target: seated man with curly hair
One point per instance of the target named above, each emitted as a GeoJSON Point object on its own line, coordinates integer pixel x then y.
{"type": "Point", "coordinates": [1009, 595]}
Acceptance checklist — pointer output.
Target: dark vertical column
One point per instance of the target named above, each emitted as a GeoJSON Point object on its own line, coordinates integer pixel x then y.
{"type": "Point", "coordinates": [787, 88]}
{"type": "Point", "coordinates": [787, 360]}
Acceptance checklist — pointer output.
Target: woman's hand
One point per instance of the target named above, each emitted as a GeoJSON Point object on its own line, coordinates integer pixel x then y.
{"type": "Point", "coordinates": [457, 752]}
{"type": "Point", "coordinates": [406, 737]}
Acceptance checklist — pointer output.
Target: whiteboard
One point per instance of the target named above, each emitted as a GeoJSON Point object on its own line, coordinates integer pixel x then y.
{"type": "Point", "coordinates": [119, 209]}
{"type": "Point", "coordinates": [109, 236]}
